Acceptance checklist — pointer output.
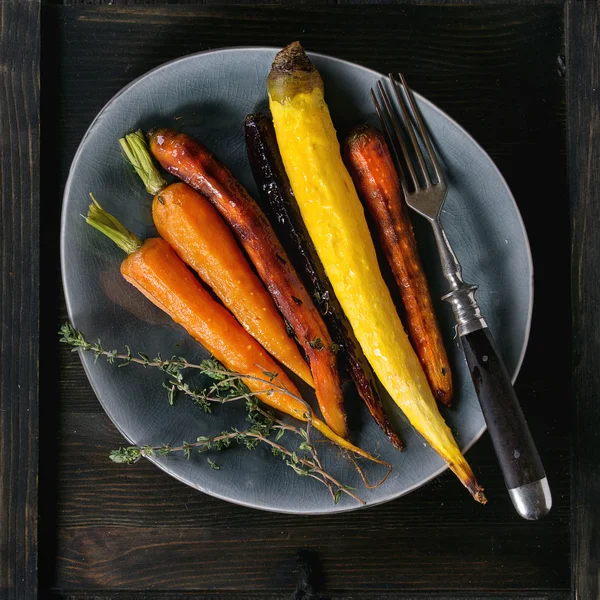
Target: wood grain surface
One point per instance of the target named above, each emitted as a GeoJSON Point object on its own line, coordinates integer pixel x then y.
{"type": "Point", "coordinates": [584, 175]}
{"type": "Point", "coordinates": [498, 71]}
{"type": "Point", "coordinates": [182, 595]}
{"type": "Point", "coordinates": [19, 298]}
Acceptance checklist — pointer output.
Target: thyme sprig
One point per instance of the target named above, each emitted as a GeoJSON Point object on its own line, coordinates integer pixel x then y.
{"type": "Point", "coordinates": [303, 465]}
{"type": "Point", "coordinates": [227, 386]}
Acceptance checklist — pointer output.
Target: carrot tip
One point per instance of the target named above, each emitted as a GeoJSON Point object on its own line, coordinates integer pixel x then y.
{"type": "Point", "coordinates": [479, 496]}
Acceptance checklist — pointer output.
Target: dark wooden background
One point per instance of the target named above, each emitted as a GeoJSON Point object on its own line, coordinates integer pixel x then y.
{"type": "Point", "coordinates": [108, 531]}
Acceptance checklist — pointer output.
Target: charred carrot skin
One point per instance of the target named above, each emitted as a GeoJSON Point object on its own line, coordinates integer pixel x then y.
{"type": "Point", "coordinates": [281, 207]}
{"type": "Point", "coordinates": [195, 165]}
{"type": "Point", "coordinates": [196, 231]}
{"type": "Point", "coordinates": [372, 169]}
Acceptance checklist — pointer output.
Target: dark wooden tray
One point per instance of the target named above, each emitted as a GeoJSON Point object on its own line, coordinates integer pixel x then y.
{"type": "Point", "coordinates": [108, 531]}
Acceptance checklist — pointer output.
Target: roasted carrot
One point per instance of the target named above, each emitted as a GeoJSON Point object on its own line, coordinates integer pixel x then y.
{"type": "Point", "coordinates": [372, 170]}
{"type": "Point", "coordinates": [196, 166]}
{"type": "Point", "coordinates": [196, 231]}
{"type": "Point", "coordinates": [336, 223]}
{"type": "Point", "coordinates": [156, 271]}
{"type": "Point", "coordinates": [281, 207]}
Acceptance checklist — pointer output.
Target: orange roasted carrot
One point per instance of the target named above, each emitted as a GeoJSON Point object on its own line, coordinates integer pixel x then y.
{"type": "Point", "coordinates": [196, 231]}
{"type": "Point", "coordinates": [377, 183]}
{"type": "Point", "coordinates": [154, 269]}
{"type": "Point", "coordinates": [194, 164]}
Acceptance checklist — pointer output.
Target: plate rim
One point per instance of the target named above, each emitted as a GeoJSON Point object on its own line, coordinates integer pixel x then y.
{"type": "Point", "coordinates": [335, 509]}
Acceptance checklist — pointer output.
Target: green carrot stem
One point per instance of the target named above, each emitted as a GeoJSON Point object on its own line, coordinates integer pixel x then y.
{"type": "Point", "coordinates": [136, 150]}
{"type": "Point", "coordinates": [98, 218]}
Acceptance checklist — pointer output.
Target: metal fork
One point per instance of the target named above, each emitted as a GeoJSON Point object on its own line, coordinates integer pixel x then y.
{"type": "Point", "coordinates": [425, 193]}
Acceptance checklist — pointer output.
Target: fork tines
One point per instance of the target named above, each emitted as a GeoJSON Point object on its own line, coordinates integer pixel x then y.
{"type": "Point", "coordinates": [402, 133]}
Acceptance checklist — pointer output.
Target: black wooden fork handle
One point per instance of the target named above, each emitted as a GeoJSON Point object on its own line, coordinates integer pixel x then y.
{"type": "Point", "coordinates": [517, 454]}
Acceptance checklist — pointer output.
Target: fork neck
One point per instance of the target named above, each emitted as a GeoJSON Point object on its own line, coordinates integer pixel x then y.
{"type": "Point", "coordinates": [450, 265]}
{"type": "Point", "coordinates": [462, 295]}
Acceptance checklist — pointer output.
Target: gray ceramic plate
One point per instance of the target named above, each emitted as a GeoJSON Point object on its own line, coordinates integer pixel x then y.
{"type": "Point", "coordinates": [208, 95]}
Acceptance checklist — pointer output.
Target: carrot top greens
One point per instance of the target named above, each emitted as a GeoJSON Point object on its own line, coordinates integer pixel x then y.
{"type": "Point", "coordinates": [112, 228]}
{"type": "Point", "coordinates": [136, 150]}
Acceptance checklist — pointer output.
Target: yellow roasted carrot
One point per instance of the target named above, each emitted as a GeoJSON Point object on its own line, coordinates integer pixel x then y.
{"type": "Point", "coordinates": [336, 223]}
